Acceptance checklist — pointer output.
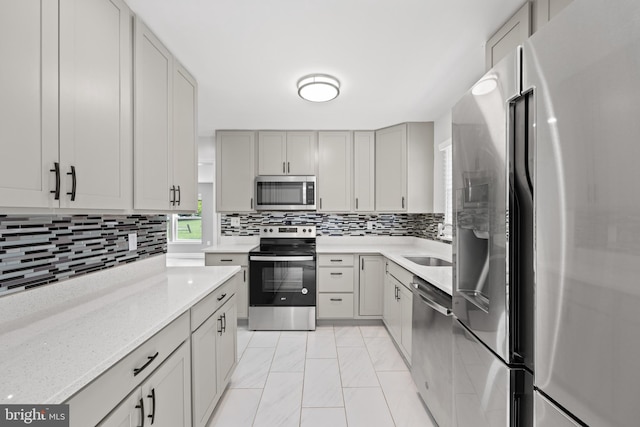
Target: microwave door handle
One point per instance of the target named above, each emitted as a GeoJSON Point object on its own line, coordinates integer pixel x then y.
{"type": "Point", "coordinates": [304, 193]}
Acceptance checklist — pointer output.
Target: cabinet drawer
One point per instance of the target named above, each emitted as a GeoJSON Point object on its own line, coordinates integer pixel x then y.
{"type": "Point", "coordinates": [96, 400]}
{"type": "Point", "coordinates": [335, 306]}
{"type": "Point", "coordinates": [338, 279]}
{"type": "Point", "coordinates": [335, 260]}
{"type": "Point", "coordinates": [205, 308]}
{"type": "Point", "coordinates": [226, 259]}
{"type": "Point", "coordinates": [405, 277]}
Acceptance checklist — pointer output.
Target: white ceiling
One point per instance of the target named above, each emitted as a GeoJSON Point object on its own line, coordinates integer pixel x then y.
{"type": "Point", "coordinates": [397, 60]}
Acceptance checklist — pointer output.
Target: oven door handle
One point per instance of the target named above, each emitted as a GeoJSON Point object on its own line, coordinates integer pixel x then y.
{"type": "Point", "coordinates": [280, 258]}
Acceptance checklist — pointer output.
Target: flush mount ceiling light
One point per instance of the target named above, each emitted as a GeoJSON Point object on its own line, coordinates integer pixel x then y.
{"type": "Point", "coordinates": [318, 88]}
{"type": "Point", "coordinates": [485, 86]}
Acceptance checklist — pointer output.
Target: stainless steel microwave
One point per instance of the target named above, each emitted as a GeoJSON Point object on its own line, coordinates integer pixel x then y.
{"type": "Point", "coordinates": [285, 193]}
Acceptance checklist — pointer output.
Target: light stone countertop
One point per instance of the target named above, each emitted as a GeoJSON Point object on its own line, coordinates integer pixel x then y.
{"type": "Point", "coordinates": [56, 340]}
{"type": "Point", "coordinates": [392, 247]}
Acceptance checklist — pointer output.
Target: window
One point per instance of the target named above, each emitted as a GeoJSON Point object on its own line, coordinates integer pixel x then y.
{"type": "Point", "coordinates": [186, 227]}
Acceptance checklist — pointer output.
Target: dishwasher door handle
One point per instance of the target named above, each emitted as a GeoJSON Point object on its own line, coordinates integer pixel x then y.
{"type": "Point", "coordinates": [434, 305]}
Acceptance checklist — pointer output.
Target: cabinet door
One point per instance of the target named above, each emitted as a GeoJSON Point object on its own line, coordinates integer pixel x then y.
{"type": "Point", "coordinates": [513, 33]}
{"type": "Point", "coordinates": [272, 153]}
{"type": "Point", "coordinates": [391, 169]}
{"type": "Point", "coordinates": [406, 310]}
{"type": "Point", "coordinates": [235, 171]}
{"type": "Point", "coordinates": [364, 171]}
{"type": "Point", "coordinates": [95, 104]}
{"type": "Point", "coordinates": [226, 345]}
{"type": "Point", "coordinates": [334, 171]}
{"type": "Point", "coordinates": [301, 153]}
{"type": "Point", "coordinates": [184, 149]}
{"type": "Point", "coordinates": [129, 413]}
{"type": "Point", "coordinates": [204, 374]}
{"type": "Point", "coordinates": [29, 103]}
{"type": "Point", "coordinates": [153, 81]}
{"type": "Point", "coordinates": [391, 310]}
{"type": "Point", "coordinates": [167, 392]}
{"type": "Point", "coordinates": [371, 285]}
{"type": "Point", "coordinates": [242, 295]}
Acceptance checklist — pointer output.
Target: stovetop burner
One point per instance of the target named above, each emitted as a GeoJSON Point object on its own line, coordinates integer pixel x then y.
{"type": "Point", "coordinates": [287, 240]}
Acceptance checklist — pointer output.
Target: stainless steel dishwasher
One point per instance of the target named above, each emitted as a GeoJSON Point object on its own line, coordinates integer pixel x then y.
{"type": "Point", "coordinates": [431, 355]}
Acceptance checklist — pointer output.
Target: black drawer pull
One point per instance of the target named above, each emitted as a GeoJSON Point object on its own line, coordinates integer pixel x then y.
{"type": "Point", "coordinates": [73, 183]}
{"type": "Point", "coordinates": [136, 371]}
{"type": "Point", "coordinates": [336, 299]}
{"type": "Point", "coordinates": [141, 407]}
{"type": "Point", "coordinates": [153, 403]}
{"type": "Point", "coordinates": [226, 260]}
{"type": "Point", "coordinates": [336, 260]}
{"type": "Point", "coordinates": [179, 197]}
{"type": "Point", "coordinates": [56, 169]}
{"type": "Point", "coordinates": [221, 297]}
{"type": "Point", "coordinates": [336, 274]}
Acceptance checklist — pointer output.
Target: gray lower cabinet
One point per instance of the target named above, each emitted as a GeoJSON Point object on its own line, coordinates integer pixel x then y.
{"type": "Point", "coordinates": [213, 352]}
{"type": "Point", "coordinates": [335, 286]}
{"type": "Point", "coordinates": [398, 306]}
{"type": "Point", "coordinates": [371, 282]}
{"type": "Point", "coordinates": [163, 400]}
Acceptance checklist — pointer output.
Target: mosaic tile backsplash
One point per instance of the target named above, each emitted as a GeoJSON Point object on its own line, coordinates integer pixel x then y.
{"type": "Point", "coordinates": [416, 225]}
{"type": "Point", "coordinates": [40, 249]}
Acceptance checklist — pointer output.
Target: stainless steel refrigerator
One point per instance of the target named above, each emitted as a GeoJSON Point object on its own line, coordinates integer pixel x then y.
{"type": "Point", "coordinates": [547, 228]}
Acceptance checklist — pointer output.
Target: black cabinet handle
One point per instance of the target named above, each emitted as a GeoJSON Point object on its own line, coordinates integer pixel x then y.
{"type": "Point", "coordinates": [56, 169]}
{"type": "Point", "coordinates": [320, 202]}
{"type": "Point", "coordinates": [136, 371]}
{"type": "Point", "coordinates": [220, 320]}
{"type": "Point", "coordinates": [402, 202]}
{"type": "Point", "coordinates": [153, 403]}
{"type": "Point", "coordinates": [141, 407]}
{"type": "Point", "coordinates": [336, 274]}
{"type": "Point", "coordinates": [73, 183]}
{"type": "Point", "coordinates": [288, 167]}
{"type": "Point", "coordinates": [335, 299]}
{"type": "Point", "coordinates": [224, 322]}
{"type": "Point", "coordinates": [172, 195]}
{"type": "Point", "coordinates": [283, 169]}
{"type": "Point", "coordinates": [356, 203]}
{"type": "Point", "coordinates": [226, 260]}
{"type": "Point", "coordinates": [179, 197]}
{"type": "Point", "coordinates": [221, 297]}
{"type": "Point", "coordinates": [336, 260]}
{"type": "Point", "coordinates": [244, 272]}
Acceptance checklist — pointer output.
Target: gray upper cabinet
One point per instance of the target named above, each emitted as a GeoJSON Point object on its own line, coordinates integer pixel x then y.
{"type": "Point", "coordinates": [545, 10]}
{"type": "Point", "coordinates": [29, 103]}
{"type": "Point", "coordinates": [184, 151]}
{"type": "Point", "coordinates": [404, 168]}
{"type": "Point", "coordinates": [334, 171]}
{"type": "Point", "coordinates": [235, 171]}
{"type": "Point", "coordinates": [364, 171]}
{"type": "Point", "coordinates": [391, 169]}
{"type": "Point", "coordinates": [286, 153]}
{"type": "Point", "coordinates": [65, 130]}
{"type": "Point", "coordinates": [165, 97]}
{"type": "Point", "coordinates": [513, 33]}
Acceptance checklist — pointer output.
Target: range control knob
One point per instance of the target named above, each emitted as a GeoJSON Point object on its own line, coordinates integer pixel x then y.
{"type": "Point", "coordinates": [271, 230]}
{"type": "Point", "coordinates": [304, 230]}
{"type": "Point", "coordinates": [265, 230]}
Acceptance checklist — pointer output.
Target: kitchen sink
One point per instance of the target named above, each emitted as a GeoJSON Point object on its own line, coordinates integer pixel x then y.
{"type": "Point", "coordinates": [428, 261]}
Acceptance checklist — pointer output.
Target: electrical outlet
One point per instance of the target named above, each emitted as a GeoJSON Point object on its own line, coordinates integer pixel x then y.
{"type": "Point", "coordinates": [133, 241]}
{"type": "Point", "coordinates": [235, 222]}
{"type": "Point", "coordinates": [370, 225]}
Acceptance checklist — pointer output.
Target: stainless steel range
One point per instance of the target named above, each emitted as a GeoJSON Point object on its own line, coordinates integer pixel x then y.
{"type": "Point", "coordinates": [282, 279]}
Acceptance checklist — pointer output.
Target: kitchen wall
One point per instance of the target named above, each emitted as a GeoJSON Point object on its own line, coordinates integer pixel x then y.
{"type": "Point", "coordinates": [40, 249]}
{"type": "Point", "coordinates": [418, 225]}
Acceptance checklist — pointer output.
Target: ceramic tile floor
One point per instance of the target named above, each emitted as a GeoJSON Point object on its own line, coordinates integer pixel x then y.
{"type": "Point", "coordinates": [336, 376]}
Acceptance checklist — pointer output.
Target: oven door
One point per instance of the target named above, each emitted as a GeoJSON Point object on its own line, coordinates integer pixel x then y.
{"type": "Point", "coordinates": [282, 280]}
